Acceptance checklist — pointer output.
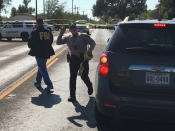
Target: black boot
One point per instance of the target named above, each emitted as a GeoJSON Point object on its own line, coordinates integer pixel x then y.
{"type": "Point", "coordinates": [90, 90]}
{"type": "Point", "coordinates": [72, 99]}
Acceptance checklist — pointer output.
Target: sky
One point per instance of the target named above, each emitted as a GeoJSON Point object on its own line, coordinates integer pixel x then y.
{"type": "Point", "coordinates": [83, 5]}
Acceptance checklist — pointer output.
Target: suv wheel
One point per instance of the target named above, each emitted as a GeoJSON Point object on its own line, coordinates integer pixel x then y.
{"type": "Point", "coordinates": [25, 37]}
{"type": "Point", "coordinates": [9, 39]}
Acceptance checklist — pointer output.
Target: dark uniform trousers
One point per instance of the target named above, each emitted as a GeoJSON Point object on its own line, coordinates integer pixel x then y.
{"type": "Point", "coordinates": [74, 65]}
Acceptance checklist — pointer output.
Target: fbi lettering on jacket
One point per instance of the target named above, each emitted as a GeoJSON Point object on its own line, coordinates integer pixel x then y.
{"type": "Point", "coordinates": [44, 36]}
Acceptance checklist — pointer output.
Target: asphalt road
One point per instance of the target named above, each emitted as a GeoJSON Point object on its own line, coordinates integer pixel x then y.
{"type": "Point", "coordinates": [25, 109]}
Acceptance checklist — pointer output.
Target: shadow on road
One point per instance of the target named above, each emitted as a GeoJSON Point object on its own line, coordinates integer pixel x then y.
{"type": "Point", "coordinates": [87, 114]}
{"type": "Point", "coordinates": [46, 100]}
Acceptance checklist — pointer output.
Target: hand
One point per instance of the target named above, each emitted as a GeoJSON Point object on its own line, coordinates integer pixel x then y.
{"type": "Point", "coordinates": [63, 30]}
{"type": "Point", "coordinates": [89, 53]}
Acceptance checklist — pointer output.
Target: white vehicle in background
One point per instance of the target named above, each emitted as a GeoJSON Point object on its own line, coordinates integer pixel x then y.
{"type": "Point", "coordinates": [49, 26]}
{"type": "Point", "coordinates": [81, 22]}
{"type": "Point", "coordinates": [173, 20]}
{"type": "Point", "coordinates": [83, 28]}
{"type": "Point", "coordinates": [17, 30]}
{"type": "Point", "coordinates": [20, 29]}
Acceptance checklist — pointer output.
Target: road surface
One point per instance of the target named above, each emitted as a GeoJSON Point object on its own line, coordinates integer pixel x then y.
{"type": "Point", "coordinates": [23, 108]}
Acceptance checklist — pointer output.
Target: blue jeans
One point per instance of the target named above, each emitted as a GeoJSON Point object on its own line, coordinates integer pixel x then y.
{"type": "Point", "coordinates": [42, 72]}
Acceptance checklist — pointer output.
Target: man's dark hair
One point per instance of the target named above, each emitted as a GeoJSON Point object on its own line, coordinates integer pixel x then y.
{"type": "Point", "coordinates": [39, 21]}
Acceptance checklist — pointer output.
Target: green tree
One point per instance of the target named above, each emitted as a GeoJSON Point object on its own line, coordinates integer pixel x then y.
{"type": "Point", "coordinates": [24, 8]}
{"type": "Point", "coordinates": [55, 12]}
{"type": "Point", "coordinates": [150, 14]}
{"type": "Point", "coordinates": [136, 8]}
{"type": "Point", "coordinates": [100, 9]}
{"type": "Point", "coordinates": [166, 8]}
{"type": "Point", "coordinates": [13, 12]}
{"type": "Point", "coordinates": [105, 9]}
{"type": "Point", "coordinates": [3, 4]}
{"type": "Point", "coordinates": [53, 9]}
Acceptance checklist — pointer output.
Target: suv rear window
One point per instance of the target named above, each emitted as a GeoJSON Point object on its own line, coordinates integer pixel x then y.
{"type": "Point", "coordinates": [143, 37]}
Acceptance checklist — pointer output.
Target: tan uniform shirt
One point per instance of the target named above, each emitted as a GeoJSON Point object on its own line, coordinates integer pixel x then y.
{"type": "Point", "coordinates": [77, 44]}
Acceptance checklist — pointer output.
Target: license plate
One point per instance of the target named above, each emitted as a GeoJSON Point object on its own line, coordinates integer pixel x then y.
{"type": "Point", "coordinates": [157, 78]}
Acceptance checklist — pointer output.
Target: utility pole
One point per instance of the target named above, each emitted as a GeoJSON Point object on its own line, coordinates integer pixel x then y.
{"type": "Point", "coordinates": [77, 12]}
{"type": "Point", "coordinates": [75, 8]}
{"type": "Point", "coordinates": [83, 14]}
{"type": "Point", "coordinates": [44, 9]}
{"type": "Point", "coordinates": [36, 10]}
{"type": "Point", "coordinates": [72, 9]}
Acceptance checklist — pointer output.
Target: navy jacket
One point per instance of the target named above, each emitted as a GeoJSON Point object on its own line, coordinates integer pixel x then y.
{"type": "Point", "coordinates": [40, 43]}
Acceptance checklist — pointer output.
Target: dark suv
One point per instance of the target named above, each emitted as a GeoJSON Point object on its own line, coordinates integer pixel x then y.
{"type": "Point", "coordinates": [136, 73]}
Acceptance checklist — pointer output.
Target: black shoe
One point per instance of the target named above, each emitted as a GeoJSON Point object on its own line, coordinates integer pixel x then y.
{"type": "Point", "coordinates": [90, 90]}
{"type": "Point", "coordinates": [48, 90]}
{"type": "Point", "coordinates": [50, 87]}
{"type": "Point", "coordinates": [38, 86]}
{"type": "Point", "coordinates": [72, 99]}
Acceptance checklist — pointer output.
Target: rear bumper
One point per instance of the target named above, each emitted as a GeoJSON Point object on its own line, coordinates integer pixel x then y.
{"type": "Point", "coordinates": [135, 107]}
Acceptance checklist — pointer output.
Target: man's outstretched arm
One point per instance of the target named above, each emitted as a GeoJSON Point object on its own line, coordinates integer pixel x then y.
{"type": "Point", "coordinates": [61, 40]}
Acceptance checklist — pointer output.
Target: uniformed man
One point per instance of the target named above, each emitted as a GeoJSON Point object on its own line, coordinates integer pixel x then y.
{"type": "Point", "coordinates": [78, 46]}
{"type": "Point", "coordinates": [40, 44]}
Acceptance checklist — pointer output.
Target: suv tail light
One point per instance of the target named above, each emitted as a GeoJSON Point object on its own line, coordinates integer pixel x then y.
{"type": "Point", "coordinates": [159, 25]}
{"type": "Point", "coordinates": [104, 65]}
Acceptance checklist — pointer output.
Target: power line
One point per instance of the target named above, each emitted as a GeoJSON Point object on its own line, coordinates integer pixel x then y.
{"type": "Point", "coordinates": [80, 9]}
{"type": "Point", "coordinates": [91, 2]}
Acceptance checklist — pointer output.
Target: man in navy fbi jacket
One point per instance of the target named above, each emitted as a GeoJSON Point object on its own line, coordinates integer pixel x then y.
{"type": "Point", "coordinates": [40, 44]}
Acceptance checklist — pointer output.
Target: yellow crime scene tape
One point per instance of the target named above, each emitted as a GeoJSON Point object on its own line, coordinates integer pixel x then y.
{"type": "Point", "coordinates": [58, 24]}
